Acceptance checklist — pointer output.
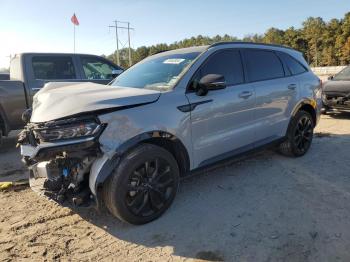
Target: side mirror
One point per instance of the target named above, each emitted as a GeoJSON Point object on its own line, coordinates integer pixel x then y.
{"type": "Point", "coordinates": [210, 82]}
{"type": "Point", "coordinates": [116, 72]}
{"type": "Point", "coordinates": [330, 77]}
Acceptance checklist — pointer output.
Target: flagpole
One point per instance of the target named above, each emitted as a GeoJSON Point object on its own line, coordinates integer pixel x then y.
{"type": "Point", "coordinates": [74, 37]}
{"type": "Point", "coordinates": [75, 22]}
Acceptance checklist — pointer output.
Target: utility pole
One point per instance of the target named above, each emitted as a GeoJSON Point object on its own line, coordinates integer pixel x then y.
{"type": "Point", "coordinates": [316, 51]}
{"type": "Point", "coordinates": [130, 62]}
{"type": "Point", "coordinates": [117, 38]}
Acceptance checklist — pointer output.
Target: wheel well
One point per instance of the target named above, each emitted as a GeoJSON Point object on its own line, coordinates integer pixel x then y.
{"type": "Point", "coordinates": [176, 148]}
{"type": "Point", "coordinates": [2, 126]}
{"type": "Point", "coordinates": [308, 108]}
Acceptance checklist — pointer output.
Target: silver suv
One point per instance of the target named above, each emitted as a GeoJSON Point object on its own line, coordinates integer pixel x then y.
{"type": "Point", "coordinates": [126, 144]}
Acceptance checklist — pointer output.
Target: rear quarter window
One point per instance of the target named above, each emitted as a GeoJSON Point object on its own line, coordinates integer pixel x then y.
{"type": "Point", "coordinates": [292, 64]}
{"type": "Point", "coordinates": [262, 65]}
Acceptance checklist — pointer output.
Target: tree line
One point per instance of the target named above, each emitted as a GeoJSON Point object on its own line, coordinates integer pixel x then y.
{"type": "Point", "coordinates": [322, 43]}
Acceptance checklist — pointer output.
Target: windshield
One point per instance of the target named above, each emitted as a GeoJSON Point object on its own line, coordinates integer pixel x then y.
{"type": "Point", "coordinates": [343, 75]}
{"type": "Point", "coordinates": [160, 72]}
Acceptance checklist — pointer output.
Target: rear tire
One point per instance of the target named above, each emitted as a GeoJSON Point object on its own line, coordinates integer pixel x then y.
{"type": "Point", "coordinates": [143, 185]}
{"type": "Point", "coordinates": [299, 135]}
{"type": "Point", "coordinates": [1, 137]}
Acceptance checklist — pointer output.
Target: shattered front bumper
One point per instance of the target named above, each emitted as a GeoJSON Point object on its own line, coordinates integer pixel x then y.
{"type": "Point", "coordinates": [61, 170]}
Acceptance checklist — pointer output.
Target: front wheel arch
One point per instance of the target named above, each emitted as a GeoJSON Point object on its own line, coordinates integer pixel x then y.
{"type": "Point", "coordinates": [159, 138]}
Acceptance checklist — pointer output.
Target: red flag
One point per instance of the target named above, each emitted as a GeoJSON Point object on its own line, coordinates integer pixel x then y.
{"type": "Point", "coordinates": [74, 20]}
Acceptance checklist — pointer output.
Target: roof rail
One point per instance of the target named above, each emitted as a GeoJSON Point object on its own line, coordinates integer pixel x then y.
{"type": "Point", "coordinates": [161, 51]}
{"type": "Point", "coordinates": [250, 43]}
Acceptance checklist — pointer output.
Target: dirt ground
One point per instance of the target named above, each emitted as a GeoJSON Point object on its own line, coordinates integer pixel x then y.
{"type": "Point", "coordinates": [264, 208]}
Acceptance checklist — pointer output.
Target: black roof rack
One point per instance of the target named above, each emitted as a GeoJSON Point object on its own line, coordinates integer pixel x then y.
{"type": "Point", "coordinates": [161, 51]}
{"type": "Point", "coordinates": [250, 43]}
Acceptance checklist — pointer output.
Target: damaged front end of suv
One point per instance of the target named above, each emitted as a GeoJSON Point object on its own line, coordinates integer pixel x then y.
{"type": "Point", "coordinates": [70, 145]}
{"type": "Point", "coordinates": [60, 154]}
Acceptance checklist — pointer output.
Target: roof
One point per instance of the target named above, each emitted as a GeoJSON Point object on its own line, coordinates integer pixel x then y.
{"type": "Point", "coordinates": [203, 48]}
{"type": "Point", "coordinates": [250, 43]}
{"type": "Point", "coordinates": [186, 50]}
{"type": "Point", "coordinates": [43, 53]}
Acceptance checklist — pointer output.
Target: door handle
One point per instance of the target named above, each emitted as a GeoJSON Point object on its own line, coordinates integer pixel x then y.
{"type": "Point", "coordinates": [245, 94]}
{"type": "Point", "coordinates": [292, 86]}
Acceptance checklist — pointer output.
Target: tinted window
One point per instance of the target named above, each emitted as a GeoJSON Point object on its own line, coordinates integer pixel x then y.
{"type": "Point", "coordinates": [343, 75]}
{"type": "Point", "coordinates": [293, 65]}
{"type": "Point", "coordinates": [262, 65]}
{"type": "Point", "coordinates": [95, 68]}
{"type": "Point", "coordinates": [53, 67]}
{"type": "Point", "coordinates": [227, 63]}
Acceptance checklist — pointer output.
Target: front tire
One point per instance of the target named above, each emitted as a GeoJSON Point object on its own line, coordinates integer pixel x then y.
{"type": "Point", "coordinates": [299, 135]}
{"type": "Point", "coordinates": [143, 186]}
{"type": "Point", "coordinates": [324, 110]}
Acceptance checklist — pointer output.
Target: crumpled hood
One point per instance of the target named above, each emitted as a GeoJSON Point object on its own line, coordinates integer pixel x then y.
{"type": "Point", "coordinates": [335, 86]}
{"type": "Point", "coordinates": [64, 99]}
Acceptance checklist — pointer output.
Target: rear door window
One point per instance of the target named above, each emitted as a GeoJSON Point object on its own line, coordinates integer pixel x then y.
{"type": "Point", "coordinates": [293, 65]}
{"type": "Point", "coordinates": [262, 65]}
{"type": "Point", "coordinates": [227, 63]}
{"type": "Point", "coordinates": [95, 68]}
{"type": "Point", "coordinates": [53, 67]}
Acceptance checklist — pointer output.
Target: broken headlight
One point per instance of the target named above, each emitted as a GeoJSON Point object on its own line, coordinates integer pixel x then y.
{"type": "Point", "coordinates": [68, 131]}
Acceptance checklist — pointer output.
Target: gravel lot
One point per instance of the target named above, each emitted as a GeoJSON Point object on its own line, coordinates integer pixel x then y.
{"type": "Point", "coordinates": [263, 208]}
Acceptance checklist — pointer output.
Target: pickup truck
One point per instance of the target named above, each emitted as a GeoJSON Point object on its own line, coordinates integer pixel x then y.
{"type": "Point", "coordinates": [4, 76]}
{"type": "Point", "coordinates": [29, 72]}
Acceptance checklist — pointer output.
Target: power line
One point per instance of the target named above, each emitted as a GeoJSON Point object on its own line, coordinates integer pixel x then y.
{"type": "Point", "coordinates": [117, 38]}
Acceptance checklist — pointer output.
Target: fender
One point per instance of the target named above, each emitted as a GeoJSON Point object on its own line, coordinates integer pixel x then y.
{"type": "Point", "coordinates": [102, 168]}
{"type": "Point", "coordinates": [4, 122]}
{"type": "Point", "coordinates": [311, 107]}
{"type": "Point", "coordinates": [305, 101]}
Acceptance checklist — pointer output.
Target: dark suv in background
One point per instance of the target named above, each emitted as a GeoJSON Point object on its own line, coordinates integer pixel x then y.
{"type": "Point", "coordinates": [336, 92]}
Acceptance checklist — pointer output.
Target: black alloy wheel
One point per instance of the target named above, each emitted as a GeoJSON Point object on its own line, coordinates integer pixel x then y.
{"type": "Point", "coordinates": [150, 187]}
{"type": "Point", "coordinates": [299, 135]}
{"type": "Point", "coordinates": [303, 133]}
{"type": "Point", "coordinates": [143, 186]}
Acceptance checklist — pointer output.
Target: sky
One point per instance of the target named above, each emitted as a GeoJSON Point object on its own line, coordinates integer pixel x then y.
{"type": "Point", "coordinates": [45, 26]}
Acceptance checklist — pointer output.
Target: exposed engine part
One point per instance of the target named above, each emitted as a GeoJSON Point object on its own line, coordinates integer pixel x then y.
{"type": "Point", "coordinates": [60, 171]}
{"type": "Point", "coordinates": [64, 178]}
